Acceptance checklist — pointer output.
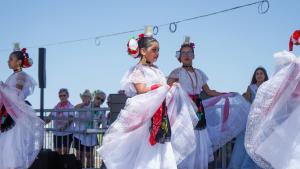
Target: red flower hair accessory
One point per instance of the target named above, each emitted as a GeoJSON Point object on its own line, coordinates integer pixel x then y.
{"type": "Point", "coordinates": [27, 62]}
{"type": "Point", "coordinates": [294, 40]}
{"type": "Point", "coordinates": [133, 46]}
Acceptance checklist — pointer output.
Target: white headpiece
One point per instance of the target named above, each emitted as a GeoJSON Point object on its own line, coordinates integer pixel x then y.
{"type": "Point", "coordinates": [148, 31]}
{"type": "Point", "coordinates": [187, 41]}
{"type": "Point", "coordinates": [16, 46]}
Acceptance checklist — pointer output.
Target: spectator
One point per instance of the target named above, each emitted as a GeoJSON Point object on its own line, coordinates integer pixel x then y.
{"type": "Point", "coordinates": [83, 142]}
{"type": "Point", "coordinates": [98, 99]}
{"type": "Point", "coordinates": [62, 123]}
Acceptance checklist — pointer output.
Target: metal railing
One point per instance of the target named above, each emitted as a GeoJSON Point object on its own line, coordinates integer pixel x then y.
{"type": "Point", "coordinates": [77, 139]}
{"type": "Point", "coordinates": [72, 144]}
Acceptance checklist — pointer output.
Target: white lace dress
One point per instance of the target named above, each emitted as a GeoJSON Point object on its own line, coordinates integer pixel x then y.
{"type": "Point", "coordinates": [272, 138]}
{"type": "Point", "coordinates": [203, 153]}
{"type": "Point", "coordinates": [226, 117]}
{"type": "Point", "coordinates": [126, 143]}
{"type": "Point", "coordinates": [19, 145]}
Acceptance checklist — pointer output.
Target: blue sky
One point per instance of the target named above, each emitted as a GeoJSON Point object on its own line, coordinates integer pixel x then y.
{"type": "Point", "coordinates": [228, 46]}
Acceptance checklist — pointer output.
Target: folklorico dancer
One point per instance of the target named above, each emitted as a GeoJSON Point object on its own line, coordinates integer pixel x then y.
{"type": "Point", "coordinates": [272, 139]}
{"type": "Point", "coordinates": [22, 132]}
{"type": "Point", "coordinates": [222, 117]}
{"type": "Point", "coordinates": [156, 127]}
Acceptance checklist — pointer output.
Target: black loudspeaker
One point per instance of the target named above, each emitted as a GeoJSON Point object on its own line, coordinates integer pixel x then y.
{"type": "Point", "coordinates": [69, 162]}
{"type": "Point", "coordinates": [116, 103]}
{"type": "Point", "coordinates": [42, 67]}
{"type": "Point", "coordinates": [46, 159]}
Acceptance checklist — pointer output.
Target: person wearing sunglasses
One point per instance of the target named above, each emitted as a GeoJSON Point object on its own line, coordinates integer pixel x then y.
{"type": "Point", "coordinates": [96, 119]}
{"type": "Point", "coordinates": [98, 99]}
{"type": "Point", "coordinates": [194, 83]}
{"type": "Point", "coordinates": [62, 122]}
{"type": "Point", "coordinates": [212, 130]}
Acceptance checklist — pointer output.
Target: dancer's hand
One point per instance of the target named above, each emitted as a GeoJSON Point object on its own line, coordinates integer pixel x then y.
{"type": "Point", "coordinates": [172, 81]}
{"type": "Point", "coordinates": [174, 84]}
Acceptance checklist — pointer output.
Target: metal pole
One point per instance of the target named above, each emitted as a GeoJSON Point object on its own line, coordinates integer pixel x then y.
{"type": "Point", "coordinates": [42, 104]}
{"type": "Point", "coordinates": [42, 78]}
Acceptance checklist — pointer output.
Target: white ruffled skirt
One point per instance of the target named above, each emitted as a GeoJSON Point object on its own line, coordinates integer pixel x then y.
{"type": "Point", "coordinates": [202, 155]}
{"type": "Point", "coordinates": [126, 143]}
{"type": "Point", "coordinates": [20, 145]}
{"type": "Point", "coordinates": [226, 117]}
{"type": "Point", "coordinates": [272, 138]}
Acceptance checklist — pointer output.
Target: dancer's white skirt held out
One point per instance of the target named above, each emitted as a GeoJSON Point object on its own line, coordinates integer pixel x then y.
{"type": "Point", "coordinates": [272, 138]}
{"type": "Point", "coordinates": [20, 145]}
{"type": "Point", "coordinates": [126, 143]}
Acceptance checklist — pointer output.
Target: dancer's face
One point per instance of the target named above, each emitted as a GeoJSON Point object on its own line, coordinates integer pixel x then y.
{"type": "Point", "coordinates": [187, 56]}
{"type": "Point", "coordinates": [13, 62]}
{"type": "Point", "coordinates": [151, 53]}
{"type": "Point", "coordinates": [260, 76]}
{"type": "Point", "coordinates": [63, 96]}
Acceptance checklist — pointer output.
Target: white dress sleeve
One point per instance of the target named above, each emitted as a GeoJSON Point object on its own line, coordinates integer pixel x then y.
{"type": "Point", "coordinates": [174, 74]}
{"type": "Point", "coordinates": [203, 76]}
{"type": "Point", "coordinates": [26, 82]}
{"type": "Point", "coordinates": [137, 76]}
{"type": "Point", "coordinates": [133, 76]}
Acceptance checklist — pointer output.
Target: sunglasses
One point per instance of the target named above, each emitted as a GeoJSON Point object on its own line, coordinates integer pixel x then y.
{"type": "Point", "coordinates": [98, 98]}
{"type": "Point", "coordinates": [189, 54]}
{"type": "Point", "coordinates": [63, 95]}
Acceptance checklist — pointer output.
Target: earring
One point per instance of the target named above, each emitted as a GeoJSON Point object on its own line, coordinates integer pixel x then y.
{"type": "Point", "coordinates": [19, 68]}
{"type": "Point", "coordinates": [144, 60]}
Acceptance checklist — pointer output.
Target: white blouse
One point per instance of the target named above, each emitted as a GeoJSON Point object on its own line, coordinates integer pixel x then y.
{"type": "Point", "coordinates": [22, 79]}
{"type": "Point", "coordinates": [148, 75]}
{"type": "Point", "coordinates": [188, 79]}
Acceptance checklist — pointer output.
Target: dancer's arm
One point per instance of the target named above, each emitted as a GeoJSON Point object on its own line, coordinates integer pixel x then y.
{"type": "Point", "coordinates": [210, 92]}
{"type": "Point", "coordinates": [142, 88]}
{"type": "Point", "coordinates": [247, 95]}
{"type": "Point", "coordinates": [173, 77]}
